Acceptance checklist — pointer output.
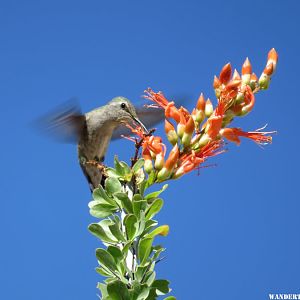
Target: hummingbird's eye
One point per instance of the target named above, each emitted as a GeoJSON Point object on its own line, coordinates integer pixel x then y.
{"type": "Point", "coordinates": [123, 105]}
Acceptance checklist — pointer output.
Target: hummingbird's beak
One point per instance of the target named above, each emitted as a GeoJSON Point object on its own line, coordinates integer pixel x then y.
{"type": "Point", "coordinates": [136, 119]}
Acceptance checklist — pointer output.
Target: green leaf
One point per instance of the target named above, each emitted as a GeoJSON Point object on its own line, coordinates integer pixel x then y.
{"type": "Point", "coordinates": [99, 194]}
{"type": "Point", "coordinates": [116, 232]}
{"type": "Point", "coordinates": [117, 290]}
{"type": "Point", "coordinates": [138, 165]}
{"type": "Point", "coordinates": [170, 298]}
{"type": "Point", "coordinates": [100, 233]}
{"type": "Point", "coordinates": [103, 289]}
{"type": "Point", "coordinates": [157, 251]}
{"type": "Point", "coordinates": [126, 248]}
{"type": "Point", "coordinates": [161, 230]}
{"type": "Point", "coordinates": [137, 197]}
{"type": "Point", "coordinates": [119, 168]}
{"type": "Point", "coordinates": [112, 185]}
{"type": "Point", "coordinates": [144, 249]}
{"type": "Point", "coordinates": [139, 291]}
{"type": "Point", "coordinates": [126, 203]}
{"type": "Point", "coordinates": [116, 253]}
{"type": "Point", "coordinates": [161, 286]}
{"type": "Point", "coordinates": [151, 179]}
{"type": "Point", "coordinates": [156, 194]}
{"type": "Point", "coordinates": [139, 206]}
{"type": "Point", "coordinates": [106, 259]}
{"type": "Point", "coordinates": [111, 172]}
{"type": "Point", "coordinates": [149, 277]}
{"type": "Point", "coordinates": [141, 224]}
{"type": "Point", "coordinates": [126, 168]}
{"type": "Point", "coordinates": [104, 272]}
{"type": "Point", "coordinates": [102, 210]}
{"type": "Point", "coordinates": [154, 208]}
{"type": "Point", "coordinates": [131, 226]}
{"type": "Point", "coordinates": [140, 271]}
{"type": "Point", "coordinates": [149, 224]}
{"type": "Point", "coordinates": [142, 187]}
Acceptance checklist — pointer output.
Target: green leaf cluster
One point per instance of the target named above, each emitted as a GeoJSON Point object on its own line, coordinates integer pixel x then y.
{"type": "Point", "coordinates": [128, 231]}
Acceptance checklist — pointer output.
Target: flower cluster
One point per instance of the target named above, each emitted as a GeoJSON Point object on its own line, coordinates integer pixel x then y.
{"type": "Point", "coordinates": [198, 135]}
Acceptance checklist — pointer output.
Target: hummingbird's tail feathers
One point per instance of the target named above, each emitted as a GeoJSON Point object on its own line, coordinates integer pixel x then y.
{"type": "Point", "coordinates": [65, 123]}
{"type": "Point", "coordinates": [93, 172]}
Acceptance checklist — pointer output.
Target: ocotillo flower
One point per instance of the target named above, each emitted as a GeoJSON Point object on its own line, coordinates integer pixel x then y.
{"type": "Point", "coordinates": [225, 74]}
{"type": "Point", "coordinates": [170, 110]}
{"type": "Point", "coordinates": [166, 171]}
{"type": "Point", "coordinates": [148, 166]}
{"type": "Point", "coordinates": [199, 112]}
{"type": "Point", "coordinates": [188, 132]}
{"type": "Point", "coordinates": [246, 71]}
{"type": "Point", "coordinates": [253, 81]}
{"type": "Point", "coordinates": [217, 84]}
{"type": "Point", "coordinates": [171, 133]}
{"type": "Point", "coordinates": [264, 79]}
{"type": "Point", "coordinates": [272, 58]}
{"type": "Point", "coordinates": [194, 145]}
{"type": "Point", "coordinates": [208, 108]}
{"type": "Point", "coordinates": [259, 137]}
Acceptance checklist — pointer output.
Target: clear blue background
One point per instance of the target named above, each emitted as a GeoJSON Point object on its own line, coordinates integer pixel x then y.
{"type": "Point", "coordinates": [234, 229]}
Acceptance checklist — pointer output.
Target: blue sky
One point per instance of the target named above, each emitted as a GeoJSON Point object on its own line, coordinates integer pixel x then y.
{"type": "Point", "coordinates": [234, 229]}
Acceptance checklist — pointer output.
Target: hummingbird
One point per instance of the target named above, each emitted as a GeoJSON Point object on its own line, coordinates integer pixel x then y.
{"type": "Point", "coordinates": [94, 130]}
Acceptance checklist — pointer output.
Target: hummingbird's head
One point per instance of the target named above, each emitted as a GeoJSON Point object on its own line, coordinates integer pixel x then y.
{"type": "Point", "coordinates": [125, 111]}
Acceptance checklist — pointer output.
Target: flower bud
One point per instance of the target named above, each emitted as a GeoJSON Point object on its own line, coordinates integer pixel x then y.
{"type": "Point", "coordinates": [159, 161]}
{"type": "Point", "coordinates": [208, 108]}
{"type": "Point", "coordinates": [166, 171]}
{"type": "Point", "coordinates": [246, 71]}
{"type": "Point", "coordinates": [225, 74]}
{"type": "Point", "coordinates": [201, 103]}
{"type": "Point", "coordinates": [188, 132]}
{"type": "Point", "coordinates": [171, 133]}
{"type": "Point", "coordinates": [163, 174]}
{"type": "Point", "coordinates": [264, 81]}
{"type": "Point", "coordinates": [199, 116]}
{"type": "Point", "coordinates": [272, 58]}
{"type": "Point", "coordinates": [178, 173]}
{"type": "Point", "coordinates": [204, 140]}
{"type": "Point", "coordinates": [148, 166]}
{"type": "Point", "coordinates": [269, 69]}
{"type": "Point", "coordinates": [253, 81]}
{"type": "Point", "coordinates": [172, 159]}
{"type": "Point", "coordinates": [181, 126]}
{"type": "Point", "coordinates": [217, 87]}
{"type": "Point", "coordinates": [236, 75]}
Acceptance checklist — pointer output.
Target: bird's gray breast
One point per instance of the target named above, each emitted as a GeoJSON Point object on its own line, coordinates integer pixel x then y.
{"type": "Point", "coordinates": [94, 143]}
{"type": "Point", "coordinates": [92, 146]}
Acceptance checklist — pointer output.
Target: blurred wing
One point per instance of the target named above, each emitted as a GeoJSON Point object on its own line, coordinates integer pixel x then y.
{"type": "Point", "coordinates": [65, 124]}
{"type": "Point", "coordinates": [148, 116]}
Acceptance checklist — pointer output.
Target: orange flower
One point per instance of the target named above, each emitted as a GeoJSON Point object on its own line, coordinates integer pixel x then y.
{"type": "Point", "coordinates": [148, 166]}
{"type": "Point", "coordinates": [225, 74]}
{"type": "Point", "coordinates": [171, 133]}
{"type": "Point", "coordinates": [272, 58]}
{"type": "Point", "coordinates": [192, 146]}
{"type": "Point", "coordinates": [259, 137]}
{"type": "Point", "coordinates": [170, 110]}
